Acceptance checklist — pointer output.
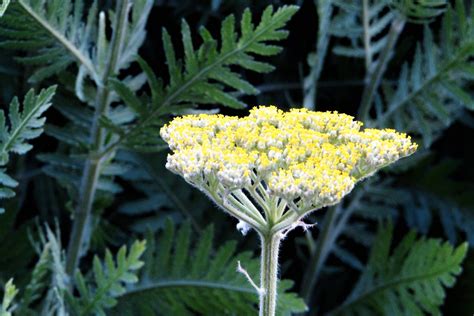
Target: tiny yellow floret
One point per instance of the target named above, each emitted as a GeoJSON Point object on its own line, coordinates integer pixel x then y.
{"type": "Point", "coordinates": [309, 159]}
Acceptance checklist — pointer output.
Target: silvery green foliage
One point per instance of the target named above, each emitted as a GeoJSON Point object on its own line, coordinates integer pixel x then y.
{"type": "Point", "coordinates": [182, 277]}
{"type": "Point", "coordinates": [410, 280]}
{"type": "Point", "coordinates": [68, 42]}
{"type": "Point", "coordinates": [22, 124]}
{"type": "Point", "coordinates": [43, 293]}
{"type": "Point", "coordinates": [419, 11]}
{"type": "Point", "coordinates": [57, 35]}
{"type": "Point", "coordinates": [433, 93]}
{"type": "Point", "coordinates": [367, 24]}
{"type": "Point", "coordinates": [109, 281]}
{"type": "Point", "coordinates": [71, 43]}
{"type": "Point", "coordinates": [10, 292]}
{"type": "Point", "coordinates": [54, 30]}
{"type": "Point", "coordinates": [4, 6]}
{"type": "Point", "coordinates": [49, 284]}
{"type": "Point", "coordinates": [417, 204]}
{"type": "Point", "coordinates": [204, 75]}
{"type": "Point", "coordinates": [430, 94]}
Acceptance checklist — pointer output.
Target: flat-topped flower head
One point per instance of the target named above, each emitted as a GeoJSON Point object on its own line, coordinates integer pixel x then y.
{"type": "Point", "coordinates": [298, 160]}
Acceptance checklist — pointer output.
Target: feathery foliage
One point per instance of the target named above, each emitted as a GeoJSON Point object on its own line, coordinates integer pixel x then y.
{"type": "Point", "coordinates": [159, 198]}
{"type": "Point", "coordinates": [180, 281]}
{"type": "Point", "coordinates": [24, 123]}
{"type": "Point", "coordinates": [420, 204]}
{"type": "Point", "coordinates": [365, 23]}
{"type": "Point", "coordinates": [57, 35]}
{"type": "Point", "coordinates": [39, 280]}
{"type": "Point", "coordinates": [67, 166]}
{"type": "Point", "coordinates": [9, 295]}
{"type": "Point", "coordinates": [408, 281]}
{"type": "Point", "coordinates": [203, 75]}
{"type": "Point", "coordinates": [110, 104]}
{"type": "Point", "coordinates": [368, 25]}
{"type": "Point", "coordinates": [109, 281]}
{"type": "Point", "coordinates": [43, 293]}
{"type": "Point", "coordinates": [4, 6]}
{"type": "Point", "coordinates": [54, 31]}
{"type": "Point", "coordinates": [426, 99]}
{"type": "Point", "coordinates": [420, 11]}
{"type": "Point", "coordinates": [431, 91]}
{"type": "Point", "coordinates": [431, 195]}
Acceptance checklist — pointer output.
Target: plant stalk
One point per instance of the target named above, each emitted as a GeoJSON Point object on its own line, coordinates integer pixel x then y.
{"type": "Point", "coordinates": [311, 82]}
{"type": "Point", "coordinates": [375, 77]}
{"type": "Point", "coordinates": [366, 23]}
{"type": "Point", "coordinates": [323, 244]}
{"type": "Point", "coordinates": [93, 163]}
{"type": "Point", "coordinates": [269, 273]}
{"type": "Point", "coordinates": [334, 222]}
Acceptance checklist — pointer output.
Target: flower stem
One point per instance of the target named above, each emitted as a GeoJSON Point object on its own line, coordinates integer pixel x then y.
{"type": "Point", "coordinates": [269, 273]}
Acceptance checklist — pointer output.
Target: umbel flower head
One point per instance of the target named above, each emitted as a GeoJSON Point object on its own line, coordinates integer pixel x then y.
{"type": "Point", "coordinates": [272, 167]}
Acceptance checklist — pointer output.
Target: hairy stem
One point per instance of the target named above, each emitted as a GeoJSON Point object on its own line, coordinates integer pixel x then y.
{"type": "Point", "coordinates": [269, 273]}
{"type": "Point", "coordinates": [375, 77]}
{"type": "Point", "coordinates": [93, 163]}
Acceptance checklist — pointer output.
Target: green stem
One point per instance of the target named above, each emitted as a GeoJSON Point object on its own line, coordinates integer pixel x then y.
{"type": "Point", "coordinates": [375, 77]}
{"type": "Point", "coordinates": [311, 82]}
{"type": "Point", "coordinates": [324, 242]}
{"type": "Point", "coordinates": [269, 273]}
{"type": "Point", "coordinates": [81, 214]}
{"type": "Point", "coordinates": [334, 223]}
{"type": "Point", "coordinates": [366, 23]}
{"type": "Point", "coordinates": [93, 163]}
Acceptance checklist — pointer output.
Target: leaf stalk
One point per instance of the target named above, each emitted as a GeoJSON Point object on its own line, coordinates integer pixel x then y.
{"type": "Point", "coordinates": [375, 77]}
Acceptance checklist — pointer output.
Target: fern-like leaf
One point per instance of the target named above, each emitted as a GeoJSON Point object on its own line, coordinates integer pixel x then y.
{"type": "Point", "coordinates": [54, 31]}
{"type": "Point", "coordinates": [163, 195]}
{"type": "Point", "coordinates": [48, 280]}
{"type": "Point", "coordinates": [420, 11]}
{"type": "Point", "coordinates": [179, 281]}
{"type": "Point", "coordinates": [409, 281]}
{"type": "Point", "coordinates": [24, 123]}
{"type": "Point", "coordinates": [432, 91]}
{"type": "Point", "coordinates": [110, 278]}
{"type": "Point", "coordinates": [204, 76]}
{"type": "Point", "coordinates": [67, 167]}
{"type": "Point", "coordinates": [38, 282]}
{"type": "Point", "coordinates": [365, 23]}
{"type": "Point", "coordinates": [56, 35]}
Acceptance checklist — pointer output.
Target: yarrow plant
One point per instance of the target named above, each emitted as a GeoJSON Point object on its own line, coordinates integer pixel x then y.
{"type": "Point", "coordinates": [272, 168]}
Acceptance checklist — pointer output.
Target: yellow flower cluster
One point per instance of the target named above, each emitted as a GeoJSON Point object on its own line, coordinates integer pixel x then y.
{"type": "Point", "coordinates": [309, 159]}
